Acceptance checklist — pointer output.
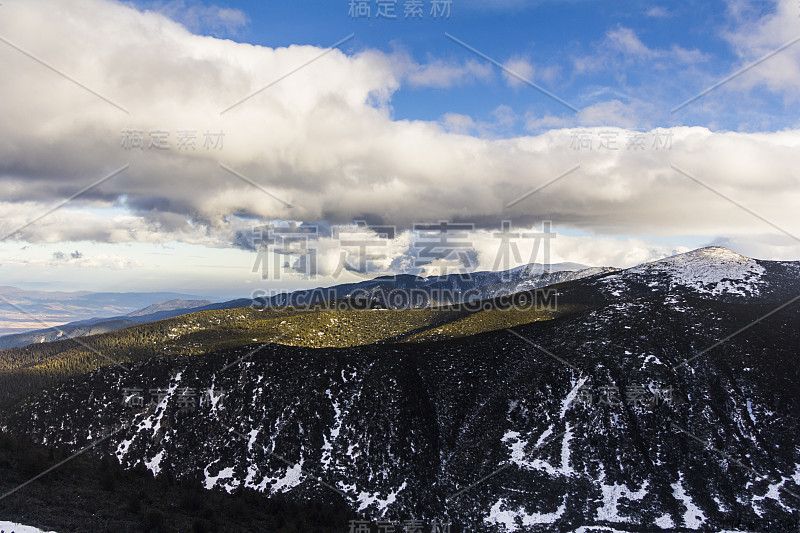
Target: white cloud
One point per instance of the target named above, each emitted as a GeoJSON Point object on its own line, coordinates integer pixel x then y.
{"type": "Point", "coordinates": [76, 259]}
{"type": "Point", "coordinates": [201, 18]}
{"type": "Point", "coordinates": [441, 74]}
{"type": "Point", "coordinates": [322, 139]}
{"type": "Point", "coordinates": [627, 42]}
{"type": "Point", "coordinates": [755, 34]}
{"type": "Point", "coordinates": [659, 12]}
{"type": "Point", "coordinates": [520, 68]}
{"type": "Point", "coordinates": [457, 123]}
{"type": "Point", "coordinates": [623, 47]}
{"type": "Point", "coordinates": [611, 113]}
{"type": "Point", "coordinates": [112, 262]}
{"type": "Point", "coordinates": [536, 124]}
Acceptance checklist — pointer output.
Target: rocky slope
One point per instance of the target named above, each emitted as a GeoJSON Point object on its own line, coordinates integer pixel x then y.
{"type": "Point", "coordinates": [629, 416]}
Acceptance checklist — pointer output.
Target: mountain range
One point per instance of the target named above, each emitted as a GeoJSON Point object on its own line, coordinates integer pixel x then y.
{"type": "Point", "coordinates": [452, 287]}
{"type": "Point", "coordinates": [95, 326]}
{"type": "Point", "coordinates": [23, 310]}
{"type": "Point", "coordinates": [662, 397]}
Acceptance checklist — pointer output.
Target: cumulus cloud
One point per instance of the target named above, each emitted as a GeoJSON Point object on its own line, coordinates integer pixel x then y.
{"type": "Point", "coordinates": [522, 69]}
{"type": "Point", "coordinates": [321, 144]}
{"type": "Point", "coordinates": [201, 18]}
{"type": "Point", "coordinates": [457, 123]}
{"type": "Point", "coordinates": [754, 35]}
{"type": "Point", "coordinates": [623, 46]}
{"type": "Point", "coordinates": [517, 70]}
{"type": "Point", "coordinates": [611, 113]}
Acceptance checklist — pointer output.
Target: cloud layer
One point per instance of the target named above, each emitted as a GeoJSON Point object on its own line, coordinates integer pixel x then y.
{"type": "Point", "coordinates": [321, 143]}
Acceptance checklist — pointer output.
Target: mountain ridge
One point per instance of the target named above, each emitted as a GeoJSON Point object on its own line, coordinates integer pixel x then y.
{"type": "Point", "coordinates": [601, 417]}
{"type": "Point", "coordinates": [526, 276]}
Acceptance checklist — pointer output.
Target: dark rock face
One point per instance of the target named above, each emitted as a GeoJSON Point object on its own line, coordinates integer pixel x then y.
{"type": "Point", "coordinates": [617, 416]}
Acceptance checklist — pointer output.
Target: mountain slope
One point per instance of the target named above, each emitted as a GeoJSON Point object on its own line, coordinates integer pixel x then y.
{"type": "Point", "coordinates": [86, 494]}
{"type": "Point", "coordinates": [626, 413]}
{"type": "Point", "coordinates": [23, 370]}
{"type": "Point", "coordinates": [413, 291]}
{"type": "Point", "coordinates": [170, 305]}
{"type": "Point", "coordinates": [713, 272]}
{"type": "Point", "coordinates": [399, 428]}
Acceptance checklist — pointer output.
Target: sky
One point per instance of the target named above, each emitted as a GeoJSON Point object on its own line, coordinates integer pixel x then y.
{"type": "Point", "coordinates": [230, 147]}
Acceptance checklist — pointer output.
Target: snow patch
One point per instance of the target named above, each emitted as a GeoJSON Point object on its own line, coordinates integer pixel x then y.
{"type": "Point", "coordinates": [571, 396]}
{"type": "Point", "coordinates": [292, 478]}
{"type": "Point", "coordinates": [366, 499]}
{"type": "Point", "coordinates": [665, 522]}
{"type": "Point", "coordinates": [714, 270]}
{"type": "Point", "coordinates": [211, 481]}
{"type": "Point", "coordinates": [13, 527]}
{"type": "Point", "coordinates": [611, 496]}
{"type": "Point", "coordinates": [693, 518]}
{"type": "Point", "coordinates": [333, 434]}
{"type": "Point", "coordinates": [154, 464]}
{"type": "Point", "coordinates": [502, 514]}
{"type": "Point", "coordinates": [773, 492]}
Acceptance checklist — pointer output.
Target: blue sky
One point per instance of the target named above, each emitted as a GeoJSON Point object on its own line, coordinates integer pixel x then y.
{"type": "Point", "coordinates": [553, 36]}
{"type": "Point", "coordinates": [399, 125]}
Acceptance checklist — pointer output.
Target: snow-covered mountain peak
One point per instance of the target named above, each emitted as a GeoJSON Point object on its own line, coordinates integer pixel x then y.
{"type": "Point", "coordinates": [714, 263]}
{"type": "Point", "coordinates": [713, 270]}
{"type": "Point", "coordinates": [709, 253]}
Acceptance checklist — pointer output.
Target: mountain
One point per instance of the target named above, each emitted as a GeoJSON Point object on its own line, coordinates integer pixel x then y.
{"type": "Point", "coordinates": [339, 323]}
{"type": "Point", "coordinates": [24, 310]}
{"type": "Point", "coordinates": [67, 331]}
{"type": "Point", "coordinates": [170, 305]}
{"type": "Point", "coordinates": [712, 272]}
{"type": "Point", "coordinates": [95, 326]}
{"type": "Point", "coordinates": [661, 397]}
{"type": "Point", "coordinates": [413, 291]}
{"type": "Point", "coordinates": [407, 291]}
